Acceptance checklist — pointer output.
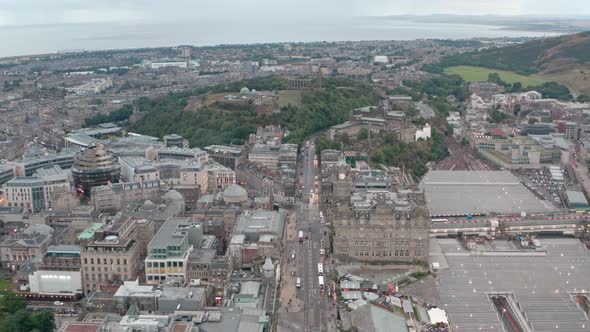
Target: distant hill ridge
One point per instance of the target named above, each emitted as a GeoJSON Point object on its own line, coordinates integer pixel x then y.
{"type": "Point", "coordinates": [532, 57]}
{"type": "Point", "coordinates": [564, 59]}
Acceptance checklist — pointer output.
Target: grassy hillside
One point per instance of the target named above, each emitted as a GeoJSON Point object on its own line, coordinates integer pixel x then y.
{"type": "Point", "coordinates": [527, 58]}
{"type": "Point", "coordinates": [480, 74]}
{"type": "Point", "coordinates": [564, 59]}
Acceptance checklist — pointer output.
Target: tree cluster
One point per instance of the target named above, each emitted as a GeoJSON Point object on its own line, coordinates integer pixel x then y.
{"type": "Point", "coordinates": [319, 110]}
{"type": "Point", "coordinates": [15, 318]}
{"type": "Point", "coordinates": [411, 156]}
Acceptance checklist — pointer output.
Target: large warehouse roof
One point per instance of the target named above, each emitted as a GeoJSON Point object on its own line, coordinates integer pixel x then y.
{"type": "Point", "coordinates": [454, 193]}
{"type": "Point", "coordinates": [542, 285]}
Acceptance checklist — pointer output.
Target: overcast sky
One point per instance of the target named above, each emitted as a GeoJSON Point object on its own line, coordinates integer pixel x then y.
{"type": "Point", "coordinates": [25, 12]}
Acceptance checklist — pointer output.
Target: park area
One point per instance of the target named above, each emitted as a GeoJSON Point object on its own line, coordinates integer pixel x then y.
{"type": "Point", "coordinates": [480, 74]}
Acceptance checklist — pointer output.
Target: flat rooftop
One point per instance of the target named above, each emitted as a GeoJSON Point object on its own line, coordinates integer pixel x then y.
{"type": "Point", "coordinates": [168, 233]}
{"type": "Point", "coordinates": [261, 222]}
{"type": "Point", "coordinates": [542, 285]}
{"type": "Point", "coordinates": [455, 193]}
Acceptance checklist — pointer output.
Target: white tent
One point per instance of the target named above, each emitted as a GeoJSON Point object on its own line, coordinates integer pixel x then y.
{"type": "Point", "coordinates": [437, 315]}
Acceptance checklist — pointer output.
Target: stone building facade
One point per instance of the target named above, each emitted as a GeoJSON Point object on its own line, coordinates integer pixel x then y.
{"type": "Point", "coordinates": [382, 226]}
{"type": "Point", "coordinates": [373, 224]}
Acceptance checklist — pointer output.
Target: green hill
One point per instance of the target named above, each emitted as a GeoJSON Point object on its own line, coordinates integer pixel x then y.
{"type": "Point", "coordinates": [564, 59]}
{"type": "Point", "coordinates": [527, 58]}
{"type": "Point", "coordinates": [315, 111]}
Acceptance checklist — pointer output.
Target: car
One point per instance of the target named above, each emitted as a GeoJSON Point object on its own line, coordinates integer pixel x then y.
{"type": "Point", "coordinates": [58, 303]}
{"type": "Point", "coordinates": [292, 256]}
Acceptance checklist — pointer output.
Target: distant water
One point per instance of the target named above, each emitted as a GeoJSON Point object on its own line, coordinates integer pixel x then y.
{"type": "Point", "coordinates": [37, 39]}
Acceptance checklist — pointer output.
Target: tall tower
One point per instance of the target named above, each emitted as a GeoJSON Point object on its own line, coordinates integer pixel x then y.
{"type": "Point", "coordinates": [343, 182]}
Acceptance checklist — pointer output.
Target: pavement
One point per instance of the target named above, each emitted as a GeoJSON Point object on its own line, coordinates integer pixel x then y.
{"type": "Point", "coordinates": [288, 294]}
{"type": "Point", "coordinates": [307, 308]}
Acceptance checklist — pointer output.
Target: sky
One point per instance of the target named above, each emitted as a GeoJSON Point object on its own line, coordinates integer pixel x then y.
{"type": "Point", "coordinates": [30, 12]}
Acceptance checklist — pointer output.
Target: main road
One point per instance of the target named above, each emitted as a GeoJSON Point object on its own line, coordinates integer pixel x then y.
{"type": "Point", "coordinates": [317, 309]}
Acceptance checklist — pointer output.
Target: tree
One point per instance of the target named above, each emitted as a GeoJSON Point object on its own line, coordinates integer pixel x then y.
{"type": "Point", "coordinates": [15, 318]}
{"type": "Point", "coordinates": [517, 109]}
{"type": "Point", "coordinates": [516, 87]}
{"type": "Point", "coordinates": [552, 90]}
{"type": "Point", "coordinates": [494, 77]}
{"type": "Point", "coordinates": [10, 303]}
{"type": "Point", "coordinates": [344, 139]}
{"type": "Point", "coordinates": [533, 120]}
{"type": "Point", "coordinates": [43, 321]}
{"type": "Point", "coordinates": [583, 98]}
{"type": "Point", "coordinates": [363, 134]}
{"type": "Point", "coordinates": [497, 116]}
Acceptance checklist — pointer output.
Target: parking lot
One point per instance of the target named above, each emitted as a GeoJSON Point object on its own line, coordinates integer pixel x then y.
{"type": "Point", "coordinates": [541, 183]}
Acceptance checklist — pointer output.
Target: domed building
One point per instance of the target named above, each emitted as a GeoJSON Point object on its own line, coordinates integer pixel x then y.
{"type": "Point", "coordinates": [244, 90]}
{"type": "Point", "coordinates": [235, 194]}
{"type": "Point", "coordinates": [172, 195]}
{"type": "Point", "coordinates": [95, 166]}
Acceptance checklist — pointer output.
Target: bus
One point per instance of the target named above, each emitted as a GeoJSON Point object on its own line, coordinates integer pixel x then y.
{"type": "Point", "coordinates": [321, 281]}
{"type": "Point", "coordinates": [298, 282]}
{"type": "Point", "coordinates": [320, 268]}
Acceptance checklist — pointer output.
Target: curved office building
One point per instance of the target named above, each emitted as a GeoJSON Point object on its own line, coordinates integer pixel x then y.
{"type": "Point", "coordinates": [93, 167]}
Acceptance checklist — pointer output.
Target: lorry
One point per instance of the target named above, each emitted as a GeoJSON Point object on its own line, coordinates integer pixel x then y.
{"type": "Point", "coordinates": [298, 282]}
{"type": "Point", "coordinates": [300, 236]}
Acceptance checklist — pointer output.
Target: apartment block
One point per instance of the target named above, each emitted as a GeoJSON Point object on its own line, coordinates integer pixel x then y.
{"type": "Point", "coordinates": [109, 261]}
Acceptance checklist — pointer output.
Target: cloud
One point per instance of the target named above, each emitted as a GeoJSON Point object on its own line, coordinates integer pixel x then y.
{"type": "Point", "coordinates": [21, 12]}
{"type": "Point", "coordinates": [99, 16]}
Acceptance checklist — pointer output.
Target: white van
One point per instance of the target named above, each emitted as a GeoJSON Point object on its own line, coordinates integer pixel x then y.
{"type": "Point", "coordinates": [298, 282]}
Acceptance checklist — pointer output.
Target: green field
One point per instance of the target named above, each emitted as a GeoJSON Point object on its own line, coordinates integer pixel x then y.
{"type": "Point", "coordinates": [480, 74]}
{"type": "Point", "coordinates": [292, 97]}
{"type": "Point", "coordinates": [6, 284]}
